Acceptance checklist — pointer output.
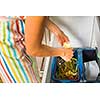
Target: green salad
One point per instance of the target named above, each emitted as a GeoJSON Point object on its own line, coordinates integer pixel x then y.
{"type": "Point", "coordinates": [67, 70]}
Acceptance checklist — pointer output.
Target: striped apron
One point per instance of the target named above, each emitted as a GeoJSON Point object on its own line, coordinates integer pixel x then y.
{"type": "Point", "coordinates": [15, 65]}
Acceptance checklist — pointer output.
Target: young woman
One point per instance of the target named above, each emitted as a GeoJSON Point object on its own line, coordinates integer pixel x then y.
{"type": "Point", "coordinates": [20, 41]}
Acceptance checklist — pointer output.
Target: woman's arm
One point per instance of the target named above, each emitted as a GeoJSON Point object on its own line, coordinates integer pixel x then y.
{"type": "Point", "coordinates": [57, 31]}
{"type": "Point", "coordinates": [34, 29]}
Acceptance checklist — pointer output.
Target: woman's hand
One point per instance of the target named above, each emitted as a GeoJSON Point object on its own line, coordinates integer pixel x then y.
{"type": "Point", "coordinates": [62, 38]}
{"type": "Point", "coordinates": [68, 54]}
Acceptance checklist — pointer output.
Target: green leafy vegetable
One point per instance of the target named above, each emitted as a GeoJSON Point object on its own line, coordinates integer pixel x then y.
{"type": "Point", "coordinates": [67, 70]}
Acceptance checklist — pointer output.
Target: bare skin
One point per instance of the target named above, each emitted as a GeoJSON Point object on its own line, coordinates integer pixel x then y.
{"type": "Point", "coordinates": [34, 28]}
{"type": "Point", "coordinates": [61, 37]}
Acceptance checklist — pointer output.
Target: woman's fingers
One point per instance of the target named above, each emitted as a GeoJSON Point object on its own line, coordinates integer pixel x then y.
{"type": "Point", "coordinates": [68, 54]}
{"type": "Point", "coordinates": [62, 38]}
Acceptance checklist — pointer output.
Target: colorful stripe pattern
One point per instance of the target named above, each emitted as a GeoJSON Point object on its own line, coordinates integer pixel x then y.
{"type": "Point", "coordinates": [15, 65]}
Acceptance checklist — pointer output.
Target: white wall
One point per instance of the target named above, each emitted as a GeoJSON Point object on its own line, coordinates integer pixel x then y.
{"type": "Point", "coordinates": [78, 29]}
